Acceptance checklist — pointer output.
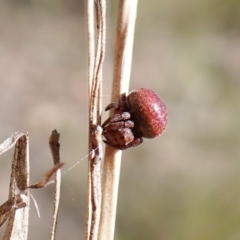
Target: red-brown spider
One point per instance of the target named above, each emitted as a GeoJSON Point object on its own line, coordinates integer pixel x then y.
{"type": "Point", "coordinates": [139, 114]}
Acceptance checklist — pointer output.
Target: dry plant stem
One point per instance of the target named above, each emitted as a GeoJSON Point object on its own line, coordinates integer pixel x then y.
{"type": "Point", "coordinates": [95, 100]}
{"type": "Point", "coordinates": [91, 42]}
{"type": "Point", "coordinates": [55, 148]}
{"type": "Point", "coordinates": [121, 78]}
{"type": "Point", "coordinates": [17, 225]}
{"type": "Point", "coordinates": [95, 89]}
{"type": "Point", "coordinates": [91, 56]}
{"type": "Point", "coordinates": [96, 182]}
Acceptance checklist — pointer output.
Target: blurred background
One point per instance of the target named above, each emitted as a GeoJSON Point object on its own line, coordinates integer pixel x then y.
{"type": "Point", "coordinates": [183, 185]}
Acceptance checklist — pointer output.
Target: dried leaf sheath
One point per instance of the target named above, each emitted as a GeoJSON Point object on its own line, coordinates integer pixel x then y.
{"type": "Point", "coordinates": [17, 225]}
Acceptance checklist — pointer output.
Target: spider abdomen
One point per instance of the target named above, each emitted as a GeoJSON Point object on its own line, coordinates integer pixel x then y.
{"type": "Point", "coordinates": [148, 112]}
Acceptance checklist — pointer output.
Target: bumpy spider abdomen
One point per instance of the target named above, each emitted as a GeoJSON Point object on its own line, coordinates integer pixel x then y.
{"type": "Point", "coordinates": [148, 112]}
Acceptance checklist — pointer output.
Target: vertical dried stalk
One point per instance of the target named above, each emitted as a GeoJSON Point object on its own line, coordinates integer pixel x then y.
{"type": "Point", "coordinates": [55, 147]}
{"type": "Point", "coordinates": [91, 43]}
{"type": "Point", "coordinates": [95, 108]}
{"type": "Point", "coordinates": [91, 56]}
{"type": "Point", "coordinates": [121, 78]}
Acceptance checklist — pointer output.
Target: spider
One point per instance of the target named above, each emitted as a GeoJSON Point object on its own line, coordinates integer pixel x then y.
{"type": "Point", "coordinates": [140, 114]}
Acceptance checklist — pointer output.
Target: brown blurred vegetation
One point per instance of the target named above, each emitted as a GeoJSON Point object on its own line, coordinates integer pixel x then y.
{"type": "Point", "coordinates": [183, 185]}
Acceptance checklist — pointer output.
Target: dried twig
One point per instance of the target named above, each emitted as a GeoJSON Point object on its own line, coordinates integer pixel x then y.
{"type": "Point", "coordinates": [96, 182]}
{"type": "Point", "coordinates": [121, 76]}
{"type": "Point", "coordinates": [91, 44]}
{"type": "Point", "coordinates": [55, 147]}
{"type": "Point", "coordinates": [45, 179]}
{"type": "Point", "coordinates": [91, 56]}
{"type": "Point", "coordinates": [95, 108]}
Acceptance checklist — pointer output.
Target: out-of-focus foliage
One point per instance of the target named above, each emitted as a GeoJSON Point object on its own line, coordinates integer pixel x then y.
{"type": "Point", "coordinates": [67, 6]}
{"type": "Point", "coordinates": [192, 16]}
{"type": "Point", "coordinates": [183, 185]}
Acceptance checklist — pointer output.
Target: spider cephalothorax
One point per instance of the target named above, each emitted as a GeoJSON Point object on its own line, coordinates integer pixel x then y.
{"type": "Point", "coordinates": [140, 114]}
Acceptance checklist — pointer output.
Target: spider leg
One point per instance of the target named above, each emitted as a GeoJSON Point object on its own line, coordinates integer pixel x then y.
{"type": "Point", "coordinates": [117, 146]}
{"type": "Point", "coordinates": [134, 143]}
{"type": "Point", "coordinates": [117, 125]}
{"type": "Point", "coordinates": [121, 105]}
{"type": "Point", "coordinates": [117, 117]}
{"type": "Point", "coordinates": [112, 105]}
